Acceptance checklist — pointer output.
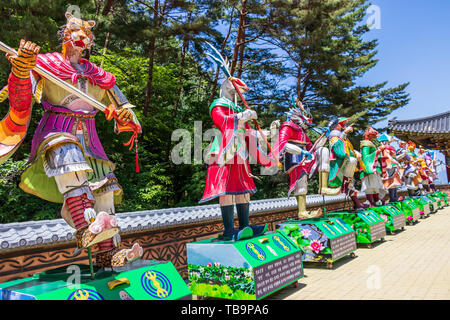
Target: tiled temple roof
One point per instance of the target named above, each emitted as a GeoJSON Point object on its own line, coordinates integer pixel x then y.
{"type": "Point", "coordinates": [439, 123]}
{"type": "Point", "coordinates": [429, 132]}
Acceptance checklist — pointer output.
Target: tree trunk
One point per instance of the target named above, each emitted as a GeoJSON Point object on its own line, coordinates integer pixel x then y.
{"type": "Point", "coordinates": [241, 29]}
{"type": "Point", "coordinates": [108, 6]}
{"type": "Point", "coordinates": [299, 82]}
{"type": "Point", "coordinates": [241, 49]}
{"type": "Point", "coordinates": [151, 50]}
{"type": "Point", "coordinates": [224, 43]}
{"type": "Point", "coordinates": [105, 47]}
{"type": "Point", "coordinates": [184, 49]}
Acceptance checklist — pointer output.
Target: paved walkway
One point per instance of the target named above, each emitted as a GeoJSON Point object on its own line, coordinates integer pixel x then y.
{"type": "Point", "coordinates": [413, 264]}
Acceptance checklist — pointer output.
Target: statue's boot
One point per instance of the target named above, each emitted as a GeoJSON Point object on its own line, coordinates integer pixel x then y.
{"type": "Point", "coordinates": [393, 195]}
{"type": "Point", "coordinates": [301, 206]}
{"type": "Point", "coordinates": [396, 194]}
{"type": "Point", "coordinates": [230, 233]}
{"type": "Point", "coordinates": [378, 201]}
{"type": "Point", "coordinates": [243, 212]}
{"type": "Point", "coordinates": [91, 228]}
{"type": "Point", "coordinates": [370, 198]}
{"type": "Point", "coordinates": [345, 185]}
{"type": "Point", "coordinates": [110, 254]}
{"type": "Point", "coordinates": [357, 204]}
{"type": "Point", "coordinates": [323, 185]}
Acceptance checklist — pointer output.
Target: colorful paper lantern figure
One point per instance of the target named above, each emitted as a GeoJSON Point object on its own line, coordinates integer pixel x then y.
{"type": "Point", "coordinates": [67, 162]}
{"type": "Point", "coordinates": [229, 177]}
{"type": "Point", "coordinates": [343, 160]}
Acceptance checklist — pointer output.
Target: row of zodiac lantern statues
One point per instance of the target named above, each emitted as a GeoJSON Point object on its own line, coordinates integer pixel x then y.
{"type": "Point", "coordinates": [68, 164]}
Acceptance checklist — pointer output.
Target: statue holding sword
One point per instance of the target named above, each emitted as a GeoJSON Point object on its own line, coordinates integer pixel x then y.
{"type": "Point", "coordinates": [67, 162]}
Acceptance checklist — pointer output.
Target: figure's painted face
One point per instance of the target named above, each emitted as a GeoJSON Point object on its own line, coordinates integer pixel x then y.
{"type": "Point", "coordinates": [305, 116]}
{"type": "Point", "coordinates": [228, 90]}
{"type": "Point", "coordinates": [300, 115]}
{"type": "Point", "coordinates": [370, 133]}
{"type": "Point", "coordinates": [411, 146]}
{"type": "Point", "coordinates": [77, 33]}
{"type": "Point", "coordinates": [421, 150]}
{"type": "Point", "coordinates": [241, 85]}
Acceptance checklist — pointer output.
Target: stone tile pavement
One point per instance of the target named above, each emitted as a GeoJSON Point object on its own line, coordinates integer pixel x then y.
{"type": "Point", "coordinates": [412, 264]}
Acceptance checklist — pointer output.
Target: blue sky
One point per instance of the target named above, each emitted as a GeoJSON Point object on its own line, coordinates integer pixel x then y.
{"type": "Point", "coordinates": [414, 46]}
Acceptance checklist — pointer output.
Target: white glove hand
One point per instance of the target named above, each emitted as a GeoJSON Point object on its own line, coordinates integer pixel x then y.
{"type": "Point", "coordinates": [292, 148]}
{"type": "Point", "coordinates": [348, 129]}
{"type": "Point", "coordinates": [275, 124]}
{"type": "Point", "coordinates": [247, 115]}
{"type": "Point", "coordinates": [274, 128]}
{"type": "Point", "coordinates": [266, 134]}
{"type": "Point", "coordinates": [309, 156]}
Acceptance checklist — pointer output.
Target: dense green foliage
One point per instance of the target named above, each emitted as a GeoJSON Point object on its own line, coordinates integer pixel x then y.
{"type": "Point", "coordinates": [307, 48]}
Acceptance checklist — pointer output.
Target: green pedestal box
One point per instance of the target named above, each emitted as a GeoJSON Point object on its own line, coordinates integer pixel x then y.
{"type": "Point", "coordinates": [443, 196]}
{"type": "Point", "coordinates": [433, 202]}
{"type": "Point", "coordinates": [410, 209]}
{"type": "Point", "coordinates": [440, 197]}
{"type": "Point", "coordinates": [393, 217]}
{"type": "Point", "coordinates": [323, 240]}
{"type": "Point", "coordinates": [368, 225]}
{"type": "Point", "coordinates": [439, 203]}
{"type": "Point", "coordinates": [248, 269]}
{"type": "Point", "coordinates": [140, 280]}
{"type": "Point", "coordinates": [423, 205]}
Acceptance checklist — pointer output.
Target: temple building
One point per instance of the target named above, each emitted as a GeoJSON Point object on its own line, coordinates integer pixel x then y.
{"type": "Point", "coordinates": [430, 132]}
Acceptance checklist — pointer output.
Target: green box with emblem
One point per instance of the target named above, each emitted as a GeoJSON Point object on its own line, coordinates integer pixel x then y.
{"type": "Point", "coordinates": [443, 196]}
{"type": "Point", "coordinates": [424, 206]}
{"type": "Point", "coordinates": [322, 240]}
{"type": "Point", "coordinates": [440, 198]}
{"type": "Point", "coordinates": [368, 225]}
{"type": "Point", "coordinates": [246, 269]}
{"type": "Point", "coordinates": [393, 217]}
{"type": "Point", "coordinates": [139, 280]}
{"type": "Point", "coordinates": [433, 202]}
{"type": "Point", "coordinates": [438, 201]}
{"type": "Point", "coordinates": [410, 209]}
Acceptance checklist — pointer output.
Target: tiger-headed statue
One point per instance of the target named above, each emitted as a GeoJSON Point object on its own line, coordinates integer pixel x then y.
{"type": "Point", "coordinates": [67, 162]}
